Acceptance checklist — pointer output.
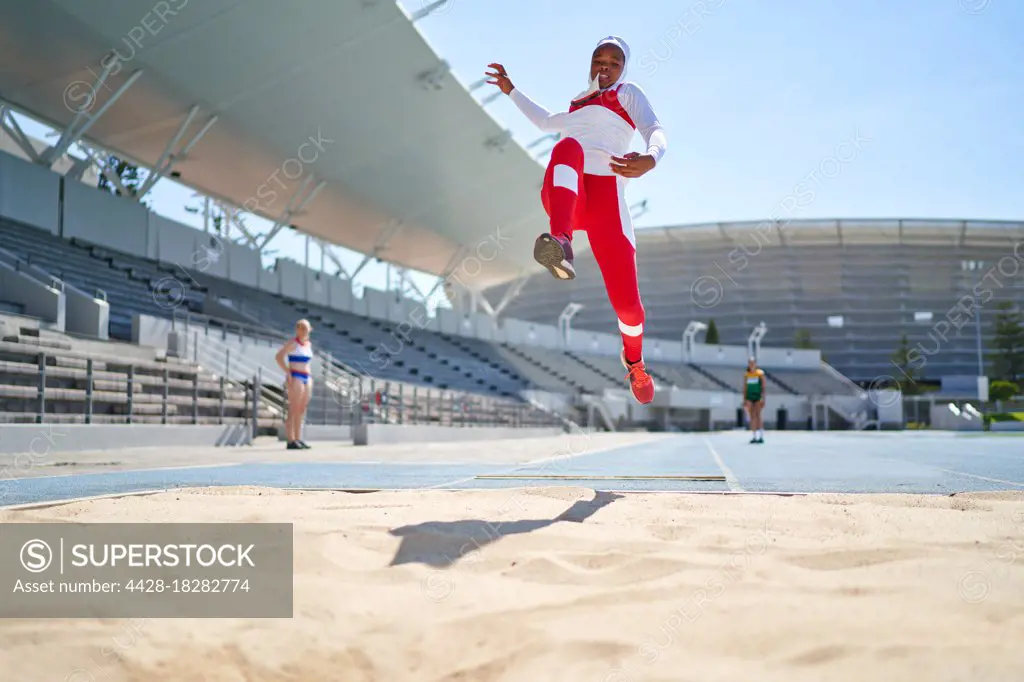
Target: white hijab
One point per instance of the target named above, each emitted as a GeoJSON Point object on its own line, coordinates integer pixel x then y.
{"type": "Point", "coordinates": [593, 86]}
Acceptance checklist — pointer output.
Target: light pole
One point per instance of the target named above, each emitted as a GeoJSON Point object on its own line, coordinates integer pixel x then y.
{"type": "Point", "coordinates": [972, 266]}
{"type": "Point", "coordinates": [977, 335]}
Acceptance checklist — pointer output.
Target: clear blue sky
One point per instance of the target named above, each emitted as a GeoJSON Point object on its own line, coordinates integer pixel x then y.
{"type": "Point", "coordinates": [755, 96]}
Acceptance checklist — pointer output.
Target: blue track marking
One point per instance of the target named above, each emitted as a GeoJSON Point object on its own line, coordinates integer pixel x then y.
{"type": "Point", "coordinates": [798, 462]}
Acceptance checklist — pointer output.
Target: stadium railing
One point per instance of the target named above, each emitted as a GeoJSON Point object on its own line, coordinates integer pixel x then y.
{"type": "Point", "coordinates": [342, 396]}
{"type": "Point", "coordinates": [54, 385]}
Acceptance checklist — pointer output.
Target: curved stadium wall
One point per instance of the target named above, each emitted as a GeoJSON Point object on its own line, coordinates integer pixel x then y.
{"type": "Point", "coordinates": [883, 278]}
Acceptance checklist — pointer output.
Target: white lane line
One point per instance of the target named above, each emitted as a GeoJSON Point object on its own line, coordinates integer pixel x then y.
{"type": "Point", "coordinates": [983, 478]}
{"type": "Point", "coordinates": [113, 470]}
{"type": "Point", "coordinates": [515, 467]}
{"type": "Point", "coordinates": [730, 478]}
{"type": "Point", "coordinates": [88, 498]}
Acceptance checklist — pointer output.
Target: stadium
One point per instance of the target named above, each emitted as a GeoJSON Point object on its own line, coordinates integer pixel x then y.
{"type": "Point", "coordinates": [855, 286]}
{"type": "Point", "coordinates": [469, 437]}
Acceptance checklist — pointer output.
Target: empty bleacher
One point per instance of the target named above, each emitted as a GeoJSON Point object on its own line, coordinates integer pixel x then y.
{"type": "Point", "coordinates": [811, 382]}
{"type": "Point", "coordinates": [376, 348]}
{"type": "Point", "coordinates": [127, 287]}
{"type": "Point", "coordinates": [50, 377]}
{"type": "Point", "coordinates": [411, 372]}
{"type": "Point", "coordinates": [686, 376]}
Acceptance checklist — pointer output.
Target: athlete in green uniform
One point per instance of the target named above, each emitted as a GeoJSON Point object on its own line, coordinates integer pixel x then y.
{"type": "Point", "coordinates": [753, 399]}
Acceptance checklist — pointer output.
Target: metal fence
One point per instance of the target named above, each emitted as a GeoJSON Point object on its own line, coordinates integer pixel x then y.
{"type": "Point", "coordinates": [110, 391]}
{"type": "Point", "coordinates": [342, 396]}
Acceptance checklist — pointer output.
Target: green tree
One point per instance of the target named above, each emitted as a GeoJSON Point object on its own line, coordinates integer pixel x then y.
{"type": "Point", "coordinates": [1008, 342]}
{"type": "Point", "coordinates": [907, 378]}
{"type": "Point", "coordinates": [711, 335]}
{"type": "Point", "coordinates": [128, 174]}
{"type": "Point", "coordinates": [802, 339]}
{"type": "Point", "coordinates": [999, 391]}
{"type": "Point", "coordinates": [217, 219]}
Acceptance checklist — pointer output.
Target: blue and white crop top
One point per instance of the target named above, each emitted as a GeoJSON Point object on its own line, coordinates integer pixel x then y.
{"type": "Point", "coordinates": [303, 352]}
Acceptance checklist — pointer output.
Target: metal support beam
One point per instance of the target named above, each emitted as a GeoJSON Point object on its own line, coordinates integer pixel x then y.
{"type": "Point", "coordinates": [449, 268]}
{"type": "Point", "coordinates": [499, 141]}
{"type": "Point", "coordinates": [428, 10]}
{"type": "Point", "coordinates": [511, 293]}
{"type": "Point", "coordinates": [328, 251]}
{"type": "Point", "coordinates": [168, 158]}
{"type": "Point", "coordinates": [480, 302]}
{"type": "Point", "coordinates": [14, 131]}
{"type": "Point", "coordinates": [93, 157]}
{"type": "Point", "coordinates": [292, 211]}
{"type": "Point", "coordinates": [76, 129]}
{"type": "Point", "coordinates": [491, 98]}
{"type": "Point", "coordinates": [234, 217]}
{"type": "Point", "coordinates": [433, 79]}
{"type": "Point", "coordinates": [393, 228]}
{"type": "Point", "coordinates": [419, 295]}
{"type": "Point", "coordinates": [78, 168]}
{"type": "Point", "coordinates": [544, 154]}
{"type": "Point", "coordinates": [641, 205]}
{"type": "Point", "coordinates": [554, 137]}
{"type": "Point", "coordinates": [362, 264]}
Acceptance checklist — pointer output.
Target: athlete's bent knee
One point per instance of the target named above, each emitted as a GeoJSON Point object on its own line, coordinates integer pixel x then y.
{"type": "Point", "coordinates": [567, 151]}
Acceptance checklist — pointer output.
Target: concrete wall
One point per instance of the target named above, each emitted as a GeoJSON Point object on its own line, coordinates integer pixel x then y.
{"type": "Point", "coordinates": [85, 314]}
{"type": "Point", "coordinates": [38, 299]}
{"type": "Point", "coordinates": [234, 356]}
{"type": "Point", "coordinates": [29, 193]}
{"type": "Point", "coordinates": [373, 434]}
{"type": "Point", "coordinates": [376, 303]}
{"type": "Point", "coordinates": [943, 419]}
{"type": "Point", "coordinates": [105, 219]}
{"type": "Point", "coordinates": [50, 443]}
{"type": "Point", "coordinates": [770, 358]}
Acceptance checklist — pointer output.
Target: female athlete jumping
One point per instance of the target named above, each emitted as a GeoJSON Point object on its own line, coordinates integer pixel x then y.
{"type": "Point", "coordinates": [298, 381]}
{"type": "Point", "coordinates": [585, 183]}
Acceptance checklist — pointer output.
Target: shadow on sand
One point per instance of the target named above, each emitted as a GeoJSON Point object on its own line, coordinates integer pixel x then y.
{"type": "Point", "coordinates": [441, 543]}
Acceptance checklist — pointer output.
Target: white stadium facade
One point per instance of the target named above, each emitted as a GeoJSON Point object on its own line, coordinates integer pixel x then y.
{"type": "Point", "coordinates": [856, 286]}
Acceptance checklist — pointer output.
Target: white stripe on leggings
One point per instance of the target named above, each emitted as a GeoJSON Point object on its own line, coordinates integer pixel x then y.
{"type": "Point", "coordinates": [628, 330]}
{"type": "Point", "coordinates": [625, 219]}
{"type": "Point", "coordinates": [567, 177]}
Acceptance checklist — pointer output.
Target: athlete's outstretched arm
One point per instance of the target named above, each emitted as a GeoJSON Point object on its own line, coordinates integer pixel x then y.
{"type": "Point", "coordinates": [634, 101]}
{"type": "Point", "coordinates": [538, 115]}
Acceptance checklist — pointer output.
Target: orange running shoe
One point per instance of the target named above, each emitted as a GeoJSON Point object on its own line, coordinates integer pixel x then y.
{"type": "Point", "coordinates": [640, 381]}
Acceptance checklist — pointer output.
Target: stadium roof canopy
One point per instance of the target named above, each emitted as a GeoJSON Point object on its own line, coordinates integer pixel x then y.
{"type": "Point", "coordinates": [843, 232]}
{"type": "Point", "coordinates": [345, 99]}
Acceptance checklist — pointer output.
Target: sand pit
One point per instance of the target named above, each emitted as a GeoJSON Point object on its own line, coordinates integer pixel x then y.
{"type": "Point", "coordinates": [566, 584]}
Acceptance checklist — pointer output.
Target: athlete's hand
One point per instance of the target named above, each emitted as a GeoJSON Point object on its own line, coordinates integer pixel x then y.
{"type": "Point", "coordinates": [632, 165]}
{"type": "Point", "coordinates": [500, 77]}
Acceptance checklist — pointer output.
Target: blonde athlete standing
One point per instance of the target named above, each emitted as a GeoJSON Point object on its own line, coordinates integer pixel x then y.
{"type": "Point", "coordinates": [298, 381]}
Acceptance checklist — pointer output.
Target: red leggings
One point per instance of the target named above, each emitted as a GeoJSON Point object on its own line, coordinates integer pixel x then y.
{"type": "Point", "coordinates": [596, 204]}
